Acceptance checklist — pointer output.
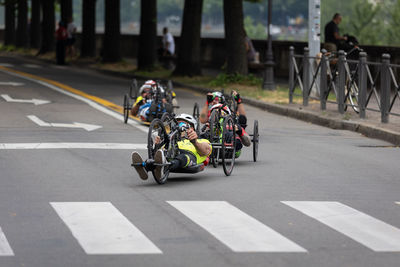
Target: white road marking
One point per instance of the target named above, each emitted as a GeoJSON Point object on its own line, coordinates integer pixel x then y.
{"type": "Point", "coordinates": [5, 249]}
{"type": "Point", "coordinates": [6, 65]}
{"type": "Point", "coordinates": [11, 83]}
{"type": "Point", "coordinates": [127, 146]}
{"type": "Point", "coordinates": [30, 101]}
{"type": "Point", "coordinates": [101, 229]}
{"type": "Point", "coordinates": [371, 232]}
{"type": "Point", "coordinates": [91, 103]}
{"type": "Point", "coordinates": [234, 228]}
{"type": "Point", "coordinates": [87, 127]}
{"type": "Point", "coordinates": [32, 66]}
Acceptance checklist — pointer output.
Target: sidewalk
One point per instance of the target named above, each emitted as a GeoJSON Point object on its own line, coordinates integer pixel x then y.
{"type": "Point", "coordinates": [370, 127]}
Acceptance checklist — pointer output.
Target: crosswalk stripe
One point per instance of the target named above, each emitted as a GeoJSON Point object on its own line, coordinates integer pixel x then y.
{"type": "Point", "coordinates": [5, 249]}
{"type": "Point", "coordinates": [101, 229]}
{"type": "Point", "coordinates": [234, 228]}
{"type": "Point", "coordinates": [371, 232]}
{"type": "Point", "coordinates": [6, 146]}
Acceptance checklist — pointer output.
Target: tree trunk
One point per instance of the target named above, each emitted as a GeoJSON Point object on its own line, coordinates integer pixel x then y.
{"type": "Point", "coordinates": [34, 26]}
{"type": "Point", "coordinates": [148, 35]}
{"type": "Point", "coordinates": [9, 34]}
{"type": "Point", "coordinates": [88, 43]}
{"type": "Point", "coordinates": [66, 10]}
{"type": "Point", "coordinates": [48, 26]}
{"type": "Point", "coordinates": [22, 27]}
{"type": "Point", "coordinates": [189, 52]}
{"type": "Point", "coordinates": [111, 42]}
{"type": "Point", "coordinates": [234, 37]}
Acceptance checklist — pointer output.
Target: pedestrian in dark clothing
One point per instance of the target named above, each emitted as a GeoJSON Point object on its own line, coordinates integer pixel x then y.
{"type": "Point", "coordinates": [332, 36]}
{"type": "Point", "coordinates": [61, 38]}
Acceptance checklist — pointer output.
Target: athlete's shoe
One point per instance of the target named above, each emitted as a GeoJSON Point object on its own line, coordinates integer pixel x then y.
{"type": "Point", "coordinates": [159, 158]}
{"type": "Point", "coordinates": [139, 164]}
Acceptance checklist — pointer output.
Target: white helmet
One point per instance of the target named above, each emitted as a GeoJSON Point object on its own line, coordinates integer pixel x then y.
{"type": "Point", "coordinates": [188, 118]}
{"type": "Point", "coordinates": [144, 87]}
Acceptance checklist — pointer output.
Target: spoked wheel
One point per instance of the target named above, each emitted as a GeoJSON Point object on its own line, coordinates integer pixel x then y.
{"type": "Point", "coordinates": [228, 147]}
{"type": "Point", "coordinates": [196, 115]}
{"type": "Point", "coordinates": [157, 129]}
{"type": "Point", "coordinates": [168, 121]}
{"type": "Point", "coordinates": [232, 103]}
{"type": "Point", "coordinates": [127, 108]}
{"type": "Point", "coordinates": [255, 140]}
{"type": "Point", "coordinates": [353, 96]}
{"type": "Point", "coordinates": [215, 136]}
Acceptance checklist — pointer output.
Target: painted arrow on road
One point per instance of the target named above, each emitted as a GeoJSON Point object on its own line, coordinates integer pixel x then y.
{"type": "Point", "coordinates": [32, 101]}
{"type": "Point", "coordinates": [87, 127]}
{"type": "Point", "coordinates": [11, 83]}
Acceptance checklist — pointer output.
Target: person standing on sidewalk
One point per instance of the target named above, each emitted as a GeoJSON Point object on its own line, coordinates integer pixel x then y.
{"type": "Point", "coordinates": [61, 37]}
{"type": "Point", "coordinates": [71, 30]}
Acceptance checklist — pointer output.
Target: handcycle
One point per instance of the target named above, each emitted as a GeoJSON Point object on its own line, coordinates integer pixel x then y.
{"type": "Point", "coordinates": [159, 93]}
{"type": "Point", "coordinates": [231, 104]}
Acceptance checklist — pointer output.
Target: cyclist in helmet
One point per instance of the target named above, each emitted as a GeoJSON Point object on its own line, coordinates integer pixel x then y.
{"type": "Point", "coordinates": [192, 151]}
{"type": "Point", "coordinates": [144, 107]}
{"type": "Point", "coordinates": [215, 99]}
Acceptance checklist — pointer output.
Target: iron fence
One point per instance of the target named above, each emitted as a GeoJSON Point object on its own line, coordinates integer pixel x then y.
{"type": "Point", "coordinates": [356, 83]}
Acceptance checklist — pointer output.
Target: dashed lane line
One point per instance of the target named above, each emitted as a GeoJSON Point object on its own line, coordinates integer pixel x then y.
{"type": "Point", "coordinates": [126, 146]}
{"type": "Point", "coordinates": [98, 103]}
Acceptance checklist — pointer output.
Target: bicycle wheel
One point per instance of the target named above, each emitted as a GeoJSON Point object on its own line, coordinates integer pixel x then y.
{"type": "Point", "coordinates": [126, 108]}
{"type": "Point", "coordinates": [156, 129]}
{"type": "Point", "coordinates": [352, 89]}
{"type": "Point", "coordinates": [228, 147]}
{"type": "Point", "coordinates": [215, 131]}
{"type": "Point", "coordinates": [196, 115]}
{"type": "Point", "coordinates": [255, 140]}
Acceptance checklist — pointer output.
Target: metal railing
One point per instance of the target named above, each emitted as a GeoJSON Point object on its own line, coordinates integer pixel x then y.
{"type": "Point", "coordinates": [359, 84]}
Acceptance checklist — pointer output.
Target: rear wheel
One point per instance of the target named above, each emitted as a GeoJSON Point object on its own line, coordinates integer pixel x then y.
{"type": "Point", "coordinates": [255, 141]}
{"type": "Point", "coordinates": [127, 108]}
{"type": "Point", "coordinates": [228, 147]}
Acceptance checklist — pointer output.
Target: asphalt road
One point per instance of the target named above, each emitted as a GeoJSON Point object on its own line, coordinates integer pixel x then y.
{"type": "Point", "coordinates": [315, 197]}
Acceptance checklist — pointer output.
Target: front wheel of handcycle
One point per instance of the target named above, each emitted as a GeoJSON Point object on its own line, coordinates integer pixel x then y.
{"type": "Point", "coordinates": [157, 129]}
{"type": "Point", "coordinates": [215, 136]}
{"type": "Point", "coordinates": [127, 108]}
{"type": "Point", "coordinates": [228, 148]}
{"type": "Point", "coordinates": [255, 140]}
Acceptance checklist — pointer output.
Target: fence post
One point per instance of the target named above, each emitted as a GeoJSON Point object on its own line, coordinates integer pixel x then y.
{"type": "Point", "coordinates": [291, 74]}
{"type": "Point", "coordinates": [323, 80]}
{"type": "Point", "coordinates": [306, 75]}
{"type": "Point", "coordinates": [342, 79]}
{"type": "Point", "coordinates": [362, 84]}
{"type": "Point", "coordinates": [385, 88]}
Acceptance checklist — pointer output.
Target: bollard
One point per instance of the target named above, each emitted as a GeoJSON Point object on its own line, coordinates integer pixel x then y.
{"type": "Point", "coordinates": [323, 80]}
{"type": "Point", "coordinates": [362, 84]}
{"type": "Point", "coordinates": [291, 74]}
{"type": "Point", "coordinates": [385, 88]}
{"type": "Point", "coordinates": [306, 75]}
{"type": "Point", "coordinates": [342, 79]}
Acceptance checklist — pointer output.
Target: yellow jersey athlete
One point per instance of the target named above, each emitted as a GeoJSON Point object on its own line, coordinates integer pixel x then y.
{"type": "Point", "coordinates": [192, 151]}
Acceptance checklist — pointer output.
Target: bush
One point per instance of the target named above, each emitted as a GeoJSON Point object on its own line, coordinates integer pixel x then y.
{"type": "Point", "coordinates": [224, 79]}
